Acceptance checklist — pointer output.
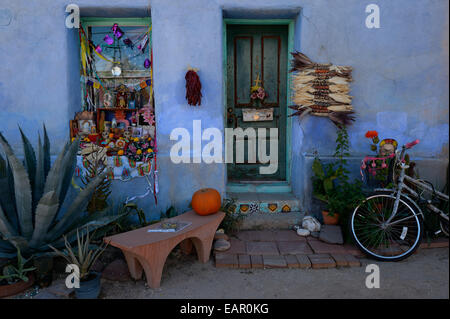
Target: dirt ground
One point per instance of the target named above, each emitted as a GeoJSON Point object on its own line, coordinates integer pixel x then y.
{"type": "Point", "coordinates": [423, 275]}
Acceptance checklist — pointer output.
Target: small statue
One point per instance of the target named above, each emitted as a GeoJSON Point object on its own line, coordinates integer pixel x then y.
{"type": "Point", "coordinates": [121, 97]}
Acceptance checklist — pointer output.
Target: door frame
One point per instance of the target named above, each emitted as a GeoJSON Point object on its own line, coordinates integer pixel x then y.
{"type": "Point", "coordinates": [262, 187]}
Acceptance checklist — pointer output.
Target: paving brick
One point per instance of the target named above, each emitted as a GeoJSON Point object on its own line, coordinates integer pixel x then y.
{"type": "Point", "coordinates": [293, 248]}
{"type": "Point", "coordinates": [352, 261]}
{"type": "Point", "coordinates": [340, 259]}
{"type": "Point", "coordinates": [323, 248]}
{"type": "Point", "coordinates": [274, 262]}
{"type": "Point", "coordinates": [287, 235]}
{"type": "Point", "coordinates": [292, 261]}
{"type": "Point", "coordinates": [262, 248]}
{"type": "Point", "coordinates": [256, 235]}
{"type": "Point", "coordinates": [244, 261]}
{"type": "Point", "coordinates": [237, 247]}
{"type": "Point", "coordinates": [353, 250]}
{"type": "Point", "coordinates": [319, 261]}
{"type": "Point", "coordinates": [303, 261]}
{"type": "Point", "coordinates": [257, 261]}
{"type": "Point", "coordinates": [224, 260]}
{"type": "Point", "coordinates": [436, 243]}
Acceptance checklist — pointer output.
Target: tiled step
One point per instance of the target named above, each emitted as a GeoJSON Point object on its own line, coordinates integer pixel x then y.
{"type": "Point", "coordinates": [268, 210]}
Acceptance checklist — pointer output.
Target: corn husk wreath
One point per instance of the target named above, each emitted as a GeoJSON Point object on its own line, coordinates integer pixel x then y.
{"type": "Point", "coordinates": [321, 90]}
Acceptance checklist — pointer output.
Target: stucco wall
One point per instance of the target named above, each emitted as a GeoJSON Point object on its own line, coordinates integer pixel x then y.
{"type": "Point", "coordinates": [400, 75]}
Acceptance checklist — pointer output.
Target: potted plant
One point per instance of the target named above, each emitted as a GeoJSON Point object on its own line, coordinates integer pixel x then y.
{"type": "Point", "coordinates": [323, 188]}
{"type": "Point", "coordinates": [331, 182]}
{"type": "Point", "coordinates": [16, 278]}
{"type": "Point", "coordinates": [84, 257]}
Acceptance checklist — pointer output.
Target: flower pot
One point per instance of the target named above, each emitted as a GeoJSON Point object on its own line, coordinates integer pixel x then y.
{"type": "Point", "coordinates": [330, 219]}
{"type": "Point", "coordinates": [89, 289]}
{"type": "Point", "coordinates": [18, 287]}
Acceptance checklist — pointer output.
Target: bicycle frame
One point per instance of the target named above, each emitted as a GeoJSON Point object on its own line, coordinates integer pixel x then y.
{"type": "Point", "coordinates": [400, 186]}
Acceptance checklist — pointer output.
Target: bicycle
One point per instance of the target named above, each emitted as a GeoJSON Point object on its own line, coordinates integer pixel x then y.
{"type": "Point", "coordinates": [388, 225]}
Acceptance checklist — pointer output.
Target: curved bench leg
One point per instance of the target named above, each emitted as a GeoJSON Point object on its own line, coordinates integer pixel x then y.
{"type": "Point", "coordinates": [153, 270]}
{"type": "Point", "coordinates": [134, 266]}
{"type": "Point", "coordinates": [203, 247]}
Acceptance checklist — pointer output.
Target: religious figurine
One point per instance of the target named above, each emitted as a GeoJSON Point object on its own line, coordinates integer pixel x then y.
{"type": "Point", "coordinates": [121, 97]}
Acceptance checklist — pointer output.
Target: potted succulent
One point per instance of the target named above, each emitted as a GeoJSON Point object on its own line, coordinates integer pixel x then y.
{"type": "Point", "coordinates": [84, 257]}
{"type": "Point", "coordinates": [16, 278]}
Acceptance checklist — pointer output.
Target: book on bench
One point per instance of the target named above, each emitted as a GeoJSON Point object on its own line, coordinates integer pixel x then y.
{"type": "Point", "coordinates": [170, 227]}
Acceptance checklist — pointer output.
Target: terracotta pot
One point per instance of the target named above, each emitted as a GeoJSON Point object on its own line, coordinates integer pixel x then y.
{"type": "Point", "coordinates": [330, 219]}
{"type": "Point", "coordinates": [18, 287]}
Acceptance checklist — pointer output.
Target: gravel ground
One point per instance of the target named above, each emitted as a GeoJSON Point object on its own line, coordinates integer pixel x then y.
{"type": "Point", "coordinates": [423, 275]}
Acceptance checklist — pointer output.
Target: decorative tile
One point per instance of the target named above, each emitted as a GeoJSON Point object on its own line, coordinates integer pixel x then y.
{"type": "Point", "coordinates": [286, 208]}
{"type": "Point", "coordinates": [244, 208]}
{"type": "Point", "coordinates": [254, 208]}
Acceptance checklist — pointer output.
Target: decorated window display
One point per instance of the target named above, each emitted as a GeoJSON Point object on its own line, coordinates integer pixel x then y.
{"type": "Point", "coordinates": [117, 106]}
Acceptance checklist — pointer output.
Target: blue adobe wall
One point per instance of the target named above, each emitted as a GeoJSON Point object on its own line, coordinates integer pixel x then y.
{"type": "Point", "coordinates": [400, 76]}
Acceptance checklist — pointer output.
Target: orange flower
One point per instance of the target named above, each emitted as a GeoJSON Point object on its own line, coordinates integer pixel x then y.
{"type": "Point", "coordinates": [371, 134]}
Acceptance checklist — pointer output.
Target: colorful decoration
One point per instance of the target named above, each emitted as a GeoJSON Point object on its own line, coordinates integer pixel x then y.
{"type": "Point", "coordinates": [147, 63]}
{"type": "Point", "coordinates": [108, 39]}
{"type": "Point", "coordinates": [257, 92]}
{"type": "Point", "coordinates": [193, 87]}
{"type": "Point", "coordinates": [118, 33]}
{"type": "Point", "coordinates": [321, 89]}
{"type": "Point", "coordinates": [376, 166]}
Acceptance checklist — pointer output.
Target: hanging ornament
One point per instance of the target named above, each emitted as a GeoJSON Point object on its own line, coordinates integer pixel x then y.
{"type": "Point", "coordinates": [108, 40]}
{"type": "Point", "coordinates": [118, 33]}
{"type": "Point", "coordinates": [193, 88]}
{"type": "Point", "coordinates": [128, 43]}
{"type": "Point", "coordinates": [116, 71]}
{"type": "Point", "coordinates": [143, 44]}
{"type": "Point", "coordinates": [147, 63]}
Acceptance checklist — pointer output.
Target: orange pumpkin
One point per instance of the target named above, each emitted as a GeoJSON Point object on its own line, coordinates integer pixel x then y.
{"type": "Point", "coordinates": [206, 201]}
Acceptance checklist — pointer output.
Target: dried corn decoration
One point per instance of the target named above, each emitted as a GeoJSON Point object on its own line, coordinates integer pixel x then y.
{"type": "Point", "coordinates": [321, 90]}
{"type": "Point", "coordinates": [193, 88]}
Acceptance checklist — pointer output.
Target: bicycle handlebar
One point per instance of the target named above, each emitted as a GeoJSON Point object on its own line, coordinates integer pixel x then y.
{"type": "Point", "coordinates": [411, 144]}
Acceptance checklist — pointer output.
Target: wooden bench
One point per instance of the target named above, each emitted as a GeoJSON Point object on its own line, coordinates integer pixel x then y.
{"type": "Point", "coordinates": [148, 251]}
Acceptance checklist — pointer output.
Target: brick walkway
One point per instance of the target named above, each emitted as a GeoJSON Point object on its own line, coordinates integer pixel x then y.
{"type": "Point", "coordinates": [285, 249]}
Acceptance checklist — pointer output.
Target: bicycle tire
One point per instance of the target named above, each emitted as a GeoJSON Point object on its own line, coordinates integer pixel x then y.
{"type": "Point", "coordinates": [357, 237]}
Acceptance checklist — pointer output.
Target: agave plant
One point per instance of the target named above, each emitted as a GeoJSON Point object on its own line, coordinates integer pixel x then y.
{"type": "Point", "coordinates": [84, 256]}
{"type": "Point", "coordinates": [32, 195]}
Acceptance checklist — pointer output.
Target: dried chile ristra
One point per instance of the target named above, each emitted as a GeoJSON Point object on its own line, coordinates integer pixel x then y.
{"type": "Point", "coordinates": [193, 88]}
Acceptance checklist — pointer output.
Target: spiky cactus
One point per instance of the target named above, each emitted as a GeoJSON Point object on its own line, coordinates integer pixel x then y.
{"type": "Point", "coordinates": [32, 195]}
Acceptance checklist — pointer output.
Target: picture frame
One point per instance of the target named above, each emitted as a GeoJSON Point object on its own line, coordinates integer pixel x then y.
{"type": "Point", "coordinates": [137, 131]}
{"type": "Point", "coordinates": [74, 129]}
{"type": "Point", "coordinates": [84, 126]}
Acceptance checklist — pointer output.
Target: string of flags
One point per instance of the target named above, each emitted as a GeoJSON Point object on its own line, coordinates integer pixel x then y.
{"type": "Point", "coordinates": [90, 81]}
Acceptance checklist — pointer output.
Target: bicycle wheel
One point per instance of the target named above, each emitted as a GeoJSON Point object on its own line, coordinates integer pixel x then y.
{"type": "Point", "coordinates": [388, 242]}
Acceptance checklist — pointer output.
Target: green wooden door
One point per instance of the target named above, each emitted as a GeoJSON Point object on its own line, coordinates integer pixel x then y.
{"type": "Point", "coordinates": [254, 52]}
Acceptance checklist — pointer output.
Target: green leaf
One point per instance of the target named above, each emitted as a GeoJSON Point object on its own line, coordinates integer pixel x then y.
{"type": "Point", "coordinates": [22, 190]}
{"type": "Point", "coordinates": [46, 153]}
{"type": "Point", "coordinates": [317, 168]}
{"type": "Point", "coordinates": [29, 159]}
{"type": "Point", "coordinates": [40, 172]}
{"type": "Point", "coordinates": [68, 169]}
{"type": "Point", "coordinates": [78, 205]}
{"type": "Point", "coordinates": [5, 227]}
{"type": "Point", "coordinates": [46, 210]}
